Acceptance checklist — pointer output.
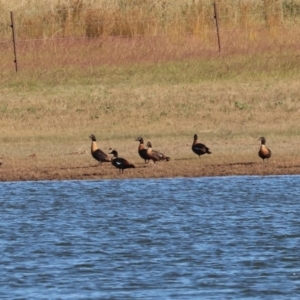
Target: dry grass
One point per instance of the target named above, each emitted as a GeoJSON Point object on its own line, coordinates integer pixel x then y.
{"type": "Point", "coordinates": [74, 18]}
{"type": "Point", "coordinates": [86, 34]}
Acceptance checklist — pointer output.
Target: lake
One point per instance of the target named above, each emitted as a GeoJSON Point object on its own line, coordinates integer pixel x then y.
{"type": "Point", "coordinates": [182, 238]}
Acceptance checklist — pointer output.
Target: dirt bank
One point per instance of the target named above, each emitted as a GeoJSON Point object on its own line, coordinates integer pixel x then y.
{"type": "Point", "coordinates": [14, 170]}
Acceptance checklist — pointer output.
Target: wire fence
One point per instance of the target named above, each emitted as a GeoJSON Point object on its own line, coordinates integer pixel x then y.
{"type": "Point", "coordinates": [86, 37]}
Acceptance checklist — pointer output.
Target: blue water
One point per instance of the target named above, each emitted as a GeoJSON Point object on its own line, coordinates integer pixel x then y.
{"type": "Point", "coordinates": [189, 238]}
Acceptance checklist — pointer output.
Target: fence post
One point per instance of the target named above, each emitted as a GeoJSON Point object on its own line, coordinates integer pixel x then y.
{"type": "Point", "coordinates": [217, 25]}
{"type": "Point", "coordinates": [14, 39]}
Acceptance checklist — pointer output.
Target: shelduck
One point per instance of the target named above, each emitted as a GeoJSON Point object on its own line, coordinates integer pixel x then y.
{"type": "Point", "coordinates": [142, 150]}
{"type": "Point", "coordinates": [98, 154]}
{"type": "Point", "coordinates": [155, 155]}
{"type": "Point", "coordinates": [199, 148]}
{"type": "Point", "coordinates": [264, 152]}
{"type": "Point", "coordinates": [120, 163]}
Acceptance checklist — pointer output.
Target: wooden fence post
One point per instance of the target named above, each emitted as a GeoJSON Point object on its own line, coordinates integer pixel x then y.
{"type": "Point", "coordinates": [217, 25]}
{"type": "Point", "coordinates": [14, 39]}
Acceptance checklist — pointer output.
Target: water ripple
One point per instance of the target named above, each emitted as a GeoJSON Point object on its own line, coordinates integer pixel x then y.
{"type": "Point", "coordinates": [184, 238]}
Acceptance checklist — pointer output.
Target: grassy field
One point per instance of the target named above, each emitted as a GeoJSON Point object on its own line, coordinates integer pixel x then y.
{"type": "Point", "coordinates": [229, 101]}
{"type": "Point", "coordinates": [162, 89]}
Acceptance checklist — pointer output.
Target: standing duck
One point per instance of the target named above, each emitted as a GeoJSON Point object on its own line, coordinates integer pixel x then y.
{"type": "Point", "coordinates": [264, 152]}
{"type": "Point", "coordinates": [97, 153]}
{"type": "Point", "coordinates": [199, 148]}
{"type": "Point", "coordinates": [142, 150]}
{"type": "Point", "coordinates": [156, 155]}
{"type": "Point", "coordinates": [119, 162]}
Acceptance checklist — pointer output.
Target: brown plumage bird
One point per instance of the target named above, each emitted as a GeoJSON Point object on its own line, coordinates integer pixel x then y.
{"type": "Point", "coordinates": [119, 162]}
{"type": "Point", "coordinates": [97, 153]}
{"type": "Point", "coordinates": [142, 150]}
{"type": "Point", "coordinates": [199, 148]}
{"type": "Point", "coordinates": [154, 154]}
{"type": "Point", "coordinates": [264, 152]}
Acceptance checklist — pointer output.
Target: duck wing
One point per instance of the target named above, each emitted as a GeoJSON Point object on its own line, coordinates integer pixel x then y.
{"type": "Point", "coordinates": [122, 163]}
{"type": "Point", "coordinates": [200, 149]}
{"type": "Point", "coordinates": [101, 156]}
{"type": "Point", "coordinates": [160, 155]}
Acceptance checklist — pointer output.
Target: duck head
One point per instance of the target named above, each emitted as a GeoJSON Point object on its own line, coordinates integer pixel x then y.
{"type": "Point", "coordinates": [263, 140]}
{"type": "Point", "coordinates": [92, 137]}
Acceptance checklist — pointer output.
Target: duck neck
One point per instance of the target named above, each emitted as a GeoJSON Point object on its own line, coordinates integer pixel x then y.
{"type": "Point", "coordinates": [94, 146]}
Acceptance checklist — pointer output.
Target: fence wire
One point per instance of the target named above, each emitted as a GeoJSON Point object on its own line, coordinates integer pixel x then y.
{"type": "Point", "coordinates": [67, 36]}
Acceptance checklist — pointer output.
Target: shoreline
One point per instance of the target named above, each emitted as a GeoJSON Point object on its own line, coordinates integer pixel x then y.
{"type": "Point", "coordinates": [174, 169]}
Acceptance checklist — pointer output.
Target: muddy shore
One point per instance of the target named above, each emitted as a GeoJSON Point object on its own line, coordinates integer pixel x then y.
{"type": "Point", "coordinates": [34, 170]}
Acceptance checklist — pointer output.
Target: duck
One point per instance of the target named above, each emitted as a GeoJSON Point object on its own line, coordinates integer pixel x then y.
{"type": "Point", "coordinates": [120, 163]}
{"type": "Point", "coordinates": [264, 152]}
{"type": "Point", "coordinates": [199, 148]}
{"type": "Point", "coordinates": [142, 150]}
{"type": "Point", "coordinates": [98, 154]}
{"type": "Point", "coordinates": [156, 155]}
